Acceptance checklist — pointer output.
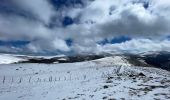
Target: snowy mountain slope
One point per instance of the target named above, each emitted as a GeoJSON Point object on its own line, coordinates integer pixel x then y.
{"type": "Point", "coordinates": [91, 80]}
{"type": "Point", "coordinates": [8, 59]}
{"type": "Point", "coordinates": [151, 59]}
{"type": "Point", "coordinates": [15, 58]}
{"type": "Point", "coordinates": [113, 60]}
{"type": "Point", "coordinates": [154, 59]}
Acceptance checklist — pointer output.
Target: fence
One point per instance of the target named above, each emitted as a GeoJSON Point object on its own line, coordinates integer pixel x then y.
{"type": "Point", "coordinates": [35, 79]}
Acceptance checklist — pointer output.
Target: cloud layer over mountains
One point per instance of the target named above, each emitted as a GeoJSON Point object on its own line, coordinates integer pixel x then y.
{"type": "Point", "coordinates": [57, 26]}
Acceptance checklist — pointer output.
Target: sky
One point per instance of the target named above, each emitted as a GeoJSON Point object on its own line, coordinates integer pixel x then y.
{"type": "Point", "coordinates": [84, 26]}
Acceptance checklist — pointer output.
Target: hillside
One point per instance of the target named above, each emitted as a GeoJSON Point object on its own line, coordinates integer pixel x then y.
{"type": "Point", "coordinates": [110, 78]}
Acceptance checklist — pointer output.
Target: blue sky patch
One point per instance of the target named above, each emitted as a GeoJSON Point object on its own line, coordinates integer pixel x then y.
{"type": "Point", "coordinates": [115, 40]}
{"type": "Point", "coordinates": [67, 21]}
{"type": "Point", "coordinates": [61, 3]}
{"type": "Point", "coordinates": [69, 42]}
{"type": "Point", "coordinates": [146, 5]}
{"type": "Point", "coordinates": [17, 43]}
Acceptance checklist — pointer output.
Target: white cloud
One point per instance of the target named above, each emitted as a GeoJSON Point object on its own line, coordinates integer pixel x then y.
{"type": "Point", "coordinates": [98, 20]}
{"type": "Point", "coordinates": [60, 45]}
{"type": "Point", "coordinates": [126, 18]}
{"type": "Point", "coordinates": [40, 8]}
{"type": "Point", "coordinates": [14, 27]}
{"type": "Point", "coordinates": [137, 46]}
{"type": "Point", "coordinates": [42, 39]}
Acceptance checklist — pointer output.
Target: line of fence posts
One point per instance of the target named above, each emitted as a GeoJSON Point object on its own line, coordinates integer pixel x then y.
{"type": "Point", "coordinates": [48, 79]}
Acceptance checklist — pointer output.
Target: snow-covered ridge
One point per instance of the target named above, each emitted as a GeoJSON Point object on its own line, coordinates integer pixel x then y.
{"type": "Point", "coordinates": [114, 60]}
{"type": "Point", "coordinates": [123, 59]}
{"type": "Point", "coordinates": [14, 58]}
{"type": "Point", "coordinates": [8, 59]}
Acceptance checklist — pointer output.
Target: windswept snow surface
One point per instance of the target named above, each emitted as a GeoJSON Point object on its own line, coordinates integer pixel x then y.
{"type": "Point", "coordinates": [92, 80]}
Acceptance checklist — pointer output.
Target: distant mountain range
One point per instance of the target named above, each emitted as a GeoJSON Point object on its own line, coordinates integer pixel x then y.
{"type": "Point", "coordinates": [148, 59]}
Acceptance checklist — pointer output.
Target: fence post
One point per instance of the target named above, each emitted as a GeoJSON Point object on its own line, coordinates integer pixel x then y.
{"type": "Point", "coordinates": [70, 77]}
{"type": "Point", "coordinates": [103, 75]}
{"type": "Point", "coordinates": [4, 80]}
{"type": "Point", "coordinates": [12, 80]}
{"type": "Point", "coordinates": [38, 80]}
{"type": "Point", "coordinates": [30, 79]}
{"type": "Point", "coordinates": [55, 79]}
{"type": "Point", "coordinates": [84, 77]}
{"type": "Point", "coordinates": [65, 78]}
{"type": "Point", "coordinates": [20, 80]}
{"type": "Point", "coordinates": [50, 79]}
